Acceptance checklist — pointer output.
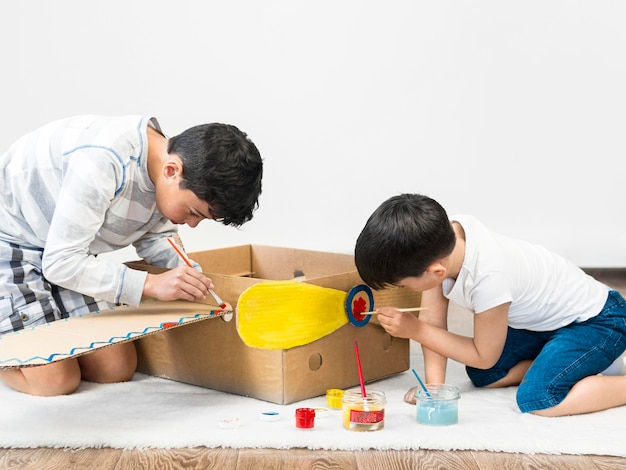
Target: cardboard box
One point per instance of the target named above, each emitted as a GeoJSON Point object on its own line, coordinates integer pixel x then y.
{"type": "Point", "coordinates": [211, 354]}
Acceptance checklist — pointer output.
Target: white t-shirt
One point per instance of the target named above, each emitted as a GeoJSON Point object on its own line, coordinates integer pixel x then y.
{"type": "Point", "coordinates": [546, 291]}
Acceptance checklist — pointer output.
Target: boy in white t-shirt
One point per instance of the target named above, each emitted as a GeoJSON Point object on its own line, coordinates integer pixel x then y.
{"type": "Point", "coordinates": [540, 322]}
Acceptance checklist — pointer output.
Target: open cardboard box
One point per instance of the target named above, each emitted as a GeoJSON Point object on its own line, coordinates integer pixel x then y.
{"type": "Point", "coordinates": [211, 354]}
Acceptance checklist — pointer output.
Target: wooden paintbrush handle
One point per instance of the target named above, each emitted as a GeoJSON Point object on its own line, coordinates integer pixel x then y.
{"type": "Point", "coordinates": [412, 309]}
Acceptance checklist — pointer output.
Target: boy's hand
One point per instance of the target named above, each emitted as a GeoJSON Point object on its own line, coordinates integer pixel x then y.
{"type": "Point", "coordinates": [182, 282]}
{"type": "Point", "coordinates": [397, 323]}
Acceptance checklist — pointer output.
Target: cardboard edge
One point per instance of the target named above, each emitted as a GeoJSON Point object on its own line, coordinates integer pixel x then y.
{"type": "Point", "coordinates": [75, 351]}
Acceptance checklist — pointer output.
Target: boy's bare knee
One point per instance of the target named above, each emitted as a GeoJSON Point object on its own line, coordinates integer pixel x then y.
{"type": "Point", "coordinates": [114, 373]}
{"type": "Point", "coordinates": [64, 382]}
{"type": "Point", "coordinates": [59, 378]}
{"type": "Point", "coordinates": [110, 365]}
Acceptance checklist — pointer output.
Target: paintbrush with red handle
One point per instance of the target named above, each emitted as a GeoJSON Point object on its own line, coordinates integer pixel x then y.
{"type": "Point", "coordinates": [219, 301]}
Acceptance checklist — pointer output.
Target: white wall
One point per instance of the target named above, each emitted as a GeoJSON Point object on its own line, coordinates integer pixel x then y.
{"type": "Point", "coordinates": [512, 111]}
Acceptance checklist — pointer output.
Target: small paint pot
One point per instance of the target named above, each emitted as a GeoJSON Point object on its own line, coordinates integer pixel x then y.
{"type": "Point", "coordinates": [321, 412]}
{"type": "Point", "coordinates": [363, 413]}
{"type": "Point", "coordinates": [269, 416]}
{"type": "Point", "coordinates": [333, 398]}
{"type": "Point", "coordinates": [305, 418]}
{"type": "Point", "coordinates": [440, 407]}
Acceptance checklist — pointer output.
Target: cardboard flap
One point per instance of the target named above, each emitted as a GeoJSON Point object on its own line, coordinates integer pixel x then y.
{"type": "Point", "coordinates": [75, 336]}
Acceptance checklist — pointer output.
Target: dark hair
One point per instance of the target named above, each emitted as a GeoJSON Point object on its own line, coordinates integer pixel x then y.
{"type": "Point", "coordinates": [402, 237]}
{"type": "Point", "coordinates": [222, 167]}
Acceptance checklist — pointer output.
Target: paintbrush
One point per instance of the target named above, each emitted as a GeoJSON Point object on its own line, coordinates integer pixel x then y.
{"type": "Point", "coordinates": [219, 301]}
{"type": "Point", "coordinates": [412, 309]}
{"type": "Point", "coordinates": [360, 370]}
{"type": "Point", "coordinates": [421, 383]}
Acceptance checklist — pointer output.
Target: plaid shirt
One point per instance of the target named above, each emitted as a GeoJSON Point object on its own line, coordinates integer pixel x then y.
{"type": "Point", "coordinates": [78, 187]}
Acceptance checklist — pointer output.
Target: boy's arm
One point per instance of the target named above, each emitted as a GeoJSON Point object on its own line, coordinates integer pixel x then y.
{"type": "Point", "coordinates": [88, 188]}
{"type": "Point", "coordinates": [81, 207]}
{"type": "Point", "coordinates": [437, 314]}
{"type": "Point", "coordinates": [154, 248]}
{"type": "Point", "coordinates": [480, 351]}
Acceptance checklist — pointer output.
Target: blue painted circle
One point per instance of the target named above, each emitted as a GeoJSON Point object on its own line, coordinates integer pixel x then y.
{"type": "Point", "coordinates": [361, 320]}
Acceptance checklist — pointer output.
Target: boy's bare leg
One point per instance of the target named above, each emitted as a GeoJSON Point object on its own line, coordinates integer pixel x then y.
{"type": "Point", "coordinates": [514, 377]}
{"type": "Point", "coordinates": [111, 364]}
{"type": "Point", "coordinates": [593, 393]}
{"type": "Point", "coordinates": [115, 363]}
{"type": "Point", "coordinates": [58, 378]}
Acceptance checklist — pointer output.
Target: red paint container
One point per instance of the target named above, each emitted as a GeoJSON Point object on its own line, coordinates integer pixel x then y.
{"type": "Point", "coordinates": [305, 418]}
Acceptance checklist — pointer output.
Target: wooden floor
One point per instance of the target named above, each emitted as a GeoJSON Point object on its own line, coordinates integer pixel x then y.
{"type": "Point", "coordinates": [272, 459]}
{"type": "Point", "coordinates": [253, 459]}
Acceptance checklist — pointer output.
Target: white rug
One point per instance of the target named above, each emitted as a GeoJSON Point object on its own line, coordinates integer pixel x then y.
{"type": "Point", "coordinates": [152, 412]}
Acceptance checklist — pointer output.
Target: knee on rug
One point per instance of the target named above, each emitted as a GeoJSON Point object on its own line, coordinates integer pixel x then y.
{"type": "Point", "coordinates": [109, 365]}
{"type": "Point", "coordinates": [59, 378]}
{"type": "Point", "coordinates": [531, 398]}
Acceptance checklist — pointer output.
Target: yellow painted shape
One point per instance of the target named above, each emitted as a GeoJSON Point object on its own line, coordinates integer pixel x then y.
{"type": "Point", "coordinates": [285, 314]}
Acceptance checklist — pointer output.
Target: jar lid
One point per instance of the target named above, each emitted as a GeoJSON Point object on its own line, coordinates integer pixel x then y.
{"type": "Point", "coordinates": [321, 412]}
{"type": "Point", "coordinates": [438, 392]}
{"type": "Point", "coordinates": [305, 412]}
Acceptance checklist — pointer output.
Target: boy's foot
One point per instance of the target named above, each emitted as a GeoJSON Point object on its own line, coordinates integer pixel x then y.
{"type": "Point", "coordinates": [409, 396]}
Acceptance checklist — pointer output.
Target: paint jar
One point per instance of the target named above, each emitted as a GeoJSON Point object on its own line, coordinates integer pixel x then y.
{"type": "Point", "coordinates": [333, 398]}
{"type": "Point", "coordinates": [363, 413]}
{"type": "Point", "coordinates": [305, 418]}
{"type": "Point", "coordinates": [441, 408]}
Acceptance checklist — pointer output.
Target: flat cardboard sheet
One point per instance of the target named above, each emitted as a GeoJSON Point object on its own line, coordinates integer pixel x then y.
{"type": "Point", "coordinates": [75, 336]}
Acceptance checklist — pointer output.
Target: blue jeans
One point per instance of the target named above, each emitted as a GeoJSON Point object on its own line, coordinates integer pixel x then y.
{"type": "Point", "coordinates": [561, 358]}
